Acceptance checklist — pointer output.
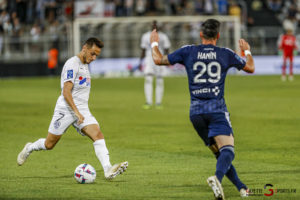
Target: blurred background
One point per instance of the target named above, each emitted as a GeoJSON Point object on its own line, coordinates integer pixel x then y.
{"type": "Point", "coordinates": [31, 31]}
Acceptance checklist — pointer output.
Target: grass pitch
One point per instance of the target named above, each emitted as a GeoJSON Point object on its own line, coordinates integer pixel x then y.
{"type": "Point", "coordinates": [167, 159]}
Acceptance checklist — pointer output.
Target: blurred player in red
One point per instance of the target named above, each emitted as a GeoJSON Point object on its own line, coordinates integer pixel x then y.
{"type": "Point", "coordinates": [287, 44]}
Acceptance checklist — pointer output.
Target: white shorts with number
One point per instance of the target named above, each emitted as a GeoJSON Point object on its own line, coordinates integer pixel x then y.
{"type": "Point", "coordinates": [62, 119]}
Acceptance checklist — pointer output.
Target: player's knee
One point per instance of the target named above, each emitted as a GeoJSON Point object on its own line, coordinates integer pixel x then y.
{"type": "Point", "coordinates": [98, 136]}
{"type": "Point", "coordinates": [228, 150]}
{"type": "Point", "coordinates": [148, 79]}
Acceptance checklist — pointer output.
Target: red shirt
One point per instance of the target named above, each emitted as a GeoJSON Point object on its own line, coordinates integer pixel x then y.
{"type": "Point", "coordinates": [288, 44]}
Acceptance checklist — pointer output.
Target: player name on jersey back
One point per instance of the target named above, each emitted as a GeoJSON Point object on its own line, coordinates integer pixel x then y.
{"type": "Point", "coordinates": [209, 55]}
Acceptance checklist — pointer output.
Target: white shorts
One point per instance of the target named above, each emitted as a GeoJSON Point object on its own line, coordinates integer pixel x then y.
{"type": "Point", "coordinates": [61, 121]}
{"type": "Point", "coordinates": [154, 70]}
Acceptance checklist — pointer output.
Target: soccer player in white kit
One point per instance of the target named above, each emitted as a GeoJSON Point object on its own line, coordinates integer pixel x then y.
{"type": "Point", "coordinates": [152, 70]}
{"type": "Point", "coordinates": [72, 108]}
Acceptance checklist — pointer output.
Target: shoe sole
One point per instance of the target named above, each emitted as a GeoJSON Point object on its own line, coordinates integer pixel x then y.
{"type": "Point", "coordinates": [212, 182]}
{"type": "Point", "coordinates": [121, 168]}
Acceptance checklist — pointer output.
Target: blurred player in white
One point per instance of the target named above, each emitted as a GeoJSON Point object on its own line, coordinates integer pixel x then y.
{"type": "Point", "coordinates": [151, 69]}
{"type": "Point", "coordinates": [72, 109]}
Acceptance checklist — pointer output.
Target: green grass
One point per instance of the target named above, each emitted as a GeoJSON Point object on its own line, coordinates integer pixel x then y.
{"type": "Point", "coordinates": [167, 159]}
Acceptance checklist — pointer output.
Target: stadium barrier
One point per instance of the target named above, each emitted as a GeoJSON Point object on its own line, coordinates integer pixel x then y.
{"type": "Point", "coordinates": [124, 67]}
{"type": "Point", "coordinates": [265, 65]}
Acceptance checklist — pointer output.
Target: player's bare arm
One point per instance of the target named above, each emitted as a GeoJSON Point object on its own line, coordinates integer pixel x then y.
{"type": "Point", "coordinates": [158, 58]}
{"type": "Point", "coordinates": [67, 93]}
{"type": "Point", "coordinates": [244, 46]}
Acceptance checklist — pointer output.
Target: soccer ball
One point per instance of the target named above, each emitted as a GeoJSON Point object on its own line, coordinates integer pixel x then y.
{"type": "Point", "coordinates": [85, 173]}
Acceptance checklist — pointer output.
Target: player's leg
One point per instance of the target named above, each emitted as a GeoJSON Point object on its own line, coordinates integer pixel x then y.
{"type": "Point", "coordinates": [225, 145]}
{"type": "Point", "coordinates": [223, 164]}
{"type": "Point", "coordinates": [159, 88]}
{"type": "Point", "coordinates": [159, 91]}
{"type": "Point", "coordinates": [291, 77]}
{"type": "Point", "coordinates": [110, 172]}
{"type": "Point", "coordinates": [91, 128]}
{"type": "Point", "coordinates": [231, 173]}
{"type": "Point", "coordinates": [94, 133]}
{"type": "Point", "coordinates": [148, 90]}
{"type": "Point", "coordinates": [148, 84]}
{"type": "Point", "coordinates": [60, 122]}
{"type": "Point", "coordinates": [283, 76]}
{"type": "Point", "coordinates": [220, 130]}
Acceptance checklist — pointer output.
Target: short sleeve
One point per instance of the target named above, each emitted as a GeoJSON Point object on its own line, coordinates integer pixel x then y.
{"type": "Point", "coordinates": [70, 71]}
{"type": "Point", "coordinates": [235, 60]}
{"type": "Point", "coordinates": [177, 56]}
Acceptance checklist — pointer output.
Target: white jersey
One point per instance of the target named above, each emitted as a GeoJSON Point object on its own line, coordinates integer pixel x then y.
{"type": "Point", "coordinates": [78, 73]}
{"type": "Point", "coordinates": [164, 43]}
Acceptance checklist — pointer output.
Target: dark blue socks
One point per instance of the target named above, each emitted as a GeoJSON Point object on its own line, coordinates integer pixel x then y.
{"type": "Point", "coordinates": [233, 177]}
{"type": "Point", "coordinates": [224, 161]}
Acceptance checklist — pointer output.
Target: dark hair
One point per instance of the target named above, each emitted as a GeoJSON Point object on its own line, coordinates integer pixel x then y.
{"type": "Point", "coordinates": [94, 41]}
{"type": "Point", "coordinates": [210, 28]}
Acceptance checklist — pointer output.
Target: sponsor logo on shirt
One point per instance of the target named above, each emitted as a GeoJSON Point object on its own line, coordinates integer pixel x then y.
{"type": "Point", "coordinates": [84, 80]}
{"type": "Point", "coordinates": [214, 90]}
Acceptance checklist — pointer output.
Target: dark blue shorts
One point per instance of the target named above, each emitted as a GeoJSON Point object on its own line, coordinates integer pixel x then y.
{"type": "Point", "coordinates": [211, 125]}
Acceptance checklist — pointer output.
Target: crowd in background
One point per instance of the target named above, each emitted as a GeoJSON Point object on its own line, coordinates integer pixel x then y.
{"type": "Point", "coordinates": [33, 18]}
{"type": "Point", "coordinates": [286, 12]}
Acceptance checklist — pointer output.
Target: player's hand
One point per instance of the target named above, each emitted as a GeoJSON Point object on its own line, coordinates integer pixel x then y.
{"type": "Point", "coordinates": [244, 45]}
{"type": "Point", "coordinates": [154, 36]}
{"type": "Point", "coordinates": [80, 118]}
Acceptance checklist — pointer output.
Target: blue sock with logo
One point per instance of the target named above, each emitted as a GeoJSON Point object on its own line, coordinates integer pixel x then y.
{"type": "Point", "coordinates": [224, 161]}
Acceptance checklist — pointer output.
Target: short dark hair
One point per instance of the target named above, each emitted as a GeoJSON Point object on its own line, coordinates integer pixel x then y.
{"type": "Point", "coordinates": [94, 41]}
{"type": "Point", "coordinates": [210, 28]}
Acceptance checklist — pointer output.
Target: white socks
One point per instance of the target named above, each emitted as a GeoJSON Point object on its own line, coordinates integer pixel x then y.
{"type": "Point", "coordinates": [102, 154]}
{"type": "Point", "coordinates": [37, 145]}
{"type": "Point", "coordinates": [99, 146]}
{"type": "Point", "coordinates": [159, 91]}
{"type": "Point", "coordinates": [148, 88]}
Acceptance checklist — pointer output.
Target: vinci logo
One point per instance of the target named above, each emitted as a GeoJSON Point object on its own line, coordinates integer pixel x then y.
{"type": "Point", "coordinates": [84, 80]}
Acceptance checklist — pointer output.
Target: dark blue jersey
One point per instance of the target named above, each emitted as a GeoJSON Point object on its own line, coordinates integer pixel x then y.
{"type": "Point", "coordinates": [206, 67]}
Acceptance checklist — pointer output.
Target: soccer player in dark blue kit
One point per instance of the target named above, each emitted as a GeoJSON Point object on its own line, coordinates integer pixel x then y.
{"type": "Point", "coordinates": [206, 67]}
